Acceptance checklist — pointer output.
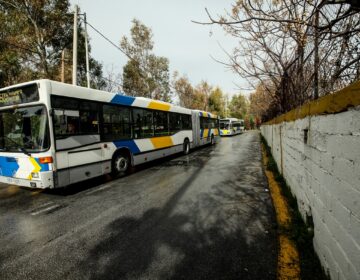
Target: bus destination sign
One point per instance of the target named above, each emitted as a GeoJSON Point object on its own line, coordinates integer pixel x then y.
{"type": "Point", "coordinates": [19, 95]}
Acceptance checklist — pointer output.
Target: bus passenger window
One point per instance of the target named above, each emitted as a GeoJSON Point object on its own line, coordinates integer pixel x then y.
{"type": "Point", "coordinates": [161, 123]}
{"type": "Point", "coordinates": [186, 121]}
{"type": "Point", "coordinates": [71, 128]}
{"type": "Point", "coordinates": [137, 124]}
{"type": "Point", "coordinates": [143, 123]}
{"type": "Point", "coordinates": [147, 124]}
{"type": "Point", "coordinates": [89, 123]}
{"type": "Point", "coordinates": [174, 122]}
{"type": "Point", "coordinates": [66, 122]}
{"type": "Point", "coordinates": [89, 119]}
{"type": "Point", "coordinates": [117, 122]}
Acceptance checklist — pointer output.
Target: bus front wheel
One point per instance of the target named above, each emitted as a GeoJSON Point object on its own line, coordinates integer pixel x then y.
{"type": "Point", "coordinates": [120, 164]}
{"type": "Point", "coordinates": [186, 147]}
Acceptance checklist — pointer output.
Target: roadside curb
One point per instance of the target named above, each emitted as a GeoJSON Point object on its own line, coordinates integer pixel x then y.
{"type": "Point", "coordinates": [288, 266]}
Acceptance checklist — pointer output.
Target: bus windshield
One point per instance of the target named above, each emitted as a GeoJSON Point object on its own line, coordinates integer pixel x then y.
{"type": "Point", "coordinates": [224, 125]}
{"type": "Point", "coordinates": [24, 130]}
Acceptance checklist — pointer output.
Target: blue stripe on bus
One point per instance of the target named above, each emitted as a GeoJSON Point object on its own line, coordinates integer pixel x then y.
{"type": "Point", "coordinates": [130, 144]}
{"type": "Point", "coordinates": [123, 100]}
{"type": "Point", "coordinates": [43, 166]}
{"type": "Point", "coordinates": [201, 133]}
{"type": "Point", "coordinates": [8, 166]}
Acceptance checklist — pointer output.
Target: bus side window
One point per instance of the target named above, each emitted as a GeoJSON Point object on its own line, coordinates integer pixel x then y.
{"type": "Point", "coordinates": [117, 122]}
{"type": "Point", "coordinates": [89, 118]}
{"type": "Point", "coordinates": [137, 116]}
{"type": "Point", "coordinates": [66, 122]}
{"type": "Point", "coordinates": [204, 123]}
{"type": "Point", "coordinates": [143, 123]}
{"type": "Point", "coordinates": [186, 121]}
{"type": "Point", "coordinates": [174, 122]}
{"type": "Point", "coordinates": [161, 123]}
{"type": "Point", "coordinates": [148, 124]}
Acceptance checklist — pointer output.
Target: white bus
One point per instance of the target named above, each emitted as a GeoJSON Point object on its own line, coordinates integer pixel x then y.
{"type": "Point", "coordinates": [231, 126]}
{"type": "Point", "coordinates": [54, 134]}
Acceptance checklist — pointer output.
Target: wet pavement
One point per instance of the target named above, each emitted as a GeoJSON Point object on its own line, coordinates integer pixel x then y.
{"type": "Point", "coordinates": [207, 215]}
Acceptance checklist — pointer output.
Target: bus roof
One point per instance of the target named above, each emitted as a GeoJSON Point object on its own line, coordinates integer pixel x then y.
{"type": "Point", "coordinates": [206, 114]}
{"type": "Point", "coordinates": [230, 119]}
{"type": "Point", "coordinates": [74, 91]}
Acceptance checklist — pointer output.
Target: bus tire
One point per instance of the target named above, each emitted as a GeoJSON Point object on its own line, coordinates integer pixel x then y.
{"type": "Point", "coordinates": [212, 141]}
{"type": "Point", "coordinates": [120, 164]}
{"type": "Point", "coordinates": [186, 147]}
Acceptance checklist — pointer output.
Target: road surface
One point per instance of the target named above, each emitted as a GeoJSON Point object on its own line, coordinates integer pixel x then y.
{"type": "Point", "coordinates": [207, 215]}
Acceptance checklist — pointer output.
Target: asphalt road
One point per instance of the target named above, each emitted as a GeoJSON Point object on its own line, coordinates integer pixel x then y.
{"type": "Point", "coordinates": [207, 215]}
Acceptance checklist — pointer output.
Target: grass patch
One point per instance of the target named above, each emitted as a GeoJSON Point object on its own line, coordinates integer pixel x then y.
{"type": "Point", "coordinates": [300, 231]}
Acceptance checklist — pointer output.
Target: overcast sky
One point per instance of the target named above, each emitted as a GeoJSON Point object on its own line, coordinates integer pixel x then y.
{"type": "Point", "coordinates": [188, 46]}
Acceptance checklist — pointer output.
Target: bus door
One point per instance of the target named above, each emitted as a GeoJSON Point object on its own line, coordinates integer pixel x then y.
{"type": "Point", "coordinates": [79, 153]}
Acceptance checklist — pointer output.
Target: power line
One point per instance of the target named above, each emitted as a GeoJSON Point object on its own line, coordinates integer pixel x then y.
{"type": "Point", "coordinates": [113, 44]}
{"type": "Point", "coordinates": [107, 39]}
{"type": "Point", "coordinates": [116, 83]}
{"type": "Point", "coordinates": [120, 49]}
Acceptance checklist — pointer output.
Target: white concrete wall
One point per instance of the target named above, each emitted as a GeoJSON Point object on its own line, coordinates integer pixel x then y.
{"type": "Point", "coordinates": [324, 175]}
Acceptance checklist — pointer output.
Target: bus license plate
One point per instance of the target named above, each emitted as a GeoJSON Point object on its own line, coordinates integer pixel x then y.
{"type": "Point", "coordinates": [12, 181]}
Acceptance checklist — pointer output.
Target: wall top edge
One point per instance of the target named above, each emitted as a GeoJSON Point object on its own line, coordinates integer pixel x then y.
{"type": "Point", "coordinates": [337, 102]}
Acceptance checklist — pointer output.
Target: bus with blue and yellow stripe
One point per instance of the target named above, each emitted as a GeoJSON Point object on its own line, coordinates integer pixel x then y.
{"type": "Point", "coordinates": [231, 126]}
{"type": "Point", "coordinates": [54, 134]}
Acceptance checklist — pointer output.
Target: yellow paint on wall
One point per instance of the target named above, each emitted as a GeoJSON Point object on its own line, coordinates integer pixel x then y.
{"type": "Point", "coordinates": [156, 105]}
{"type": "Point", "coordinates": [162, 142]}
{"type": "Point", "coordinates": [328, 104]}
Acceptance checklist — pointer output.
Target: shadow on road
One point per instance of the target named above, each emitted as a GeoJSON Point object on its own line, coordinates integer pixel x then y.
{"type": "Point", "coordinates": [173, 160]}
{"type": "Point", "coordinates": [211, 239]}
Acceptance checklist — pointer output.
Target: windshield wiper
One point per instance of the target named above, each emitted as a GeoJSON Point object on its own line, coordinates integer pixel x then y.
{"type": "Point", "coordinates": [17, 145]}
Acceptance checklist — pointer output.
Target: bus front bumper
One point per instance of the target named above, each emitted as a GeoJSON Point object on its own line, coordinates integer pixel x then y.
{"type": "Point", "coordinates": [45, 181]}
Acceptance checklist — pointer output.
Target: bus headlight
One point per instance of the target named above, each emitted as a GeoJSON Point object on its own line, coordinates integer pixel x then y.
{"type": "Point", "coordinates": [34, 175]}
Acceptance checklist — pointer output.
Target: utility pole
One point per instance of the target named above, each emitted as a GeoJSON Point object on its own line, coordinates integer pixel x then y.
{"type": "Point", "coordinates": [75, 39]}
{"type": "Point", "coordinates": [87, 53]}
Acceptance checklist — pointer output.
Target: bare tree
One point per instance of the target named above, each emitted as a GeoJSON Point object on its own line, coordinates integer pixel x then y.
{"type": "Point", "coordinates": [295, 49]}
{"type": "Point", "coordinates": [113, 79]}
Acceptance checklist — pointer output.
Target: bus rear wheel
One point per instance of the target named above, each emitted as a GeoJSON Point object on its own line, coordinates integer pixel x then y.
{"type": "Point", "coordinates": [186, 147]}
{"type": "Point", "coordinates": [120, 164]}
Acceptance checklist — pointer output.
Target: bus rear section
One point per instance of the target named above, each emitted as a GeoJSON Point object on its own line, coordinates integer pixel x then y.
{"type": "Point", "coordinates": [205, 128]}
{"type": "Point", "coordinates": [25, 155]}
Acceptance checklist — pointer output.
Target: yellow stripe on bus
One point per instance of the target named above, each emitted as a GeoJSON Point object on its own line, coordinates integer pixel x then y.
{"type": "Point", "coordinates": [159, 106]}
{"type": "Point", "coordinates": [206, 133]}
{"type": "Point", "coordinates": [36, 169]}
{"type": "Point", "coordinates": [162, 142]}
